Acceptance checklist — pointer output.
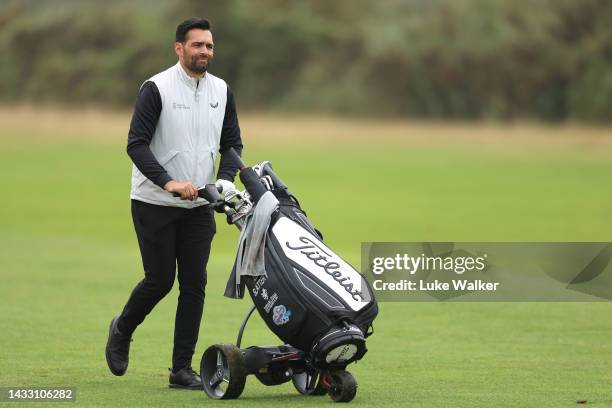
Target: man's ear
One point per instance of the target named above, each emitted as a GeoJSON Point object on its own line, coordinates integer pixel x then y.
{"type": "Point", "coordinates": [178, 48]}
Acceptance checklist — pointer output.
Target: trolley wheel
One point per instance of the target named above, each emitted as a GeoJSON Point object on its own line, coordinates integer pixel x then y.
{"type": "Point", "coordinates": [223, 371]}
{"type": "Point", "coordinates": [342, 386]}
{"type": "Point", "coordinates": [308, 382]}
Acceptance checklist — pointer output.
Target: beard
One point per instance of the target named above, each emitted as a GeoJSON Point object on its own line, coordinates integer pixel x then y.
{"type": "Point", "coordinates": [199, 67]}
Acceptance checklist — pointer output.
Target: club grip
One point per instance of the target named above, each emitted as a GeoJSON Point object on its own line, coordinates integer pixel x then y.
{"type": "Point", "coordinates": [235, 158]}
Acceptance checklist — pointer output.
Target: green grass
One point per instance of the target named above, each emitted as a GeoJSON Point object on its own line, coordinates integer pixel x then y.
{"type": "Point", "coordinates": [68, 259]}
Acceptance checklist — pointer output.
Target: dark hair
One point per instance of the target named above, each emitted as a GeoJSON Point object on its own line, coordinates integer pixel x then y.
{"type": "Point", "coordinates": [189, 24]}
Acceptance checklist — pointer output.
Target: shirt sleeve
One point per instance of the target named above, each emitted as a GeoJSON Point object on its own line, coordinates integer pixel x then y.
{"type": "Point", "coordinates": [142, 128]}
{"type": "Point", "coordinates": [230, 137]}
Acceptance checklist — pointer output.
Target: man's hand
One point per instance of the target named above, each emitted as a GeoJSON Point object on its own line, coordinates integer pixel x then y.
{"type": "Point", "coordinates": [226, 186]}
{"type": "Point", "coordinates": [187, 190]}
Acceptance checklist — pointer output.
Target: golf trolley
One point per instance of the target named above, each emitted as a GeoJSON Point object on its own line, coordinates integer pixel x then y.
{"type": "Point", "coordinates": [317, 304]}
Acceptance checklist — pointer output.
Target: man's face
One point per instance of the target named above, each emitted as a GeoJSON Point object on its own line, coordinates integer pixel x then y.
{"type": "Point", "coordinates": [197, 51]}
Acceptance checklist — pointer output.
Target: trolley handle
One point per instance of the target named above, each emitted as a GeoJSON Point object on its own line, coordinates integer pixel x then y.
{"type": "Point", "coordinates": [209, 192]}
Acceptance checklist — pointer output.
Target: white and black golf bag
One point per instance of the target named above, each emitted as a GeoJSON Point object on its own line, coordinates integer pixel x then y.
{"type": "Point", "coordinates": [310, 298]}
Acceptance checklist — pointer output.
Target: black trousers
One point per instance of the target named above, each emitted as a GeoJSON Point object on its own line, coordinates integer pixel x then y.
{"type": "Point", "coordinates": [169, 237]}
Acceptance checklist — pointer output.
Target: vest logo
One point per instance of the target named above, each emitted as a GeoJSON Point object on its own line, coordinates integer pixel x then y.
{"type": "Point", "coordinates": [179, 106]}
{"type": "Point", "coordinates": [214, 105]}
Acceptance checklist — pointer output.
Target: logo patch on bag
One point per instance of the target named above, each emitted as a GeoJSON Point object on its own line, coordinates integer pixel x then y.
{"type": "Point", "coordinates": [271, 301]}
{"type": "Point", "coordinates": [258, 285]}
{"type": "Point", "coordinates": [281, 315]}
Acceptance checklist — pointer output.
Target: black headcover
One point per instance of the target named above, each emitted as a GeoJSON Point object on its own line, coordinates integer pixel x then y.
{"type": "Point", "coordinates": [252, 184]}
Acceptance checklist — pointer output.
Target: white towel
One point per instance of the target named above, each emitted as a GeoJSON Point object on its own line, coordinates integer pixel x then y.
{"type": "Point", "coordinates": [250, 258]}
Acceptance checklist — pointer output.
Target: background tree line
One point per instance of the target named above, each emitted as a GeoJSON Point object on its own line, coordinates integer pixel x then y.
{"type": "Point", "coordinates": [472, 59]}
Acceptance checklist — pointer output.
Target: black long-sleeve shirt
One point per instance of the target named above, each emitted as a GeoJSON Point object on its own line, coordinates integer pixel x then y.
{"type": "Point", "coordinates": [142, 128]}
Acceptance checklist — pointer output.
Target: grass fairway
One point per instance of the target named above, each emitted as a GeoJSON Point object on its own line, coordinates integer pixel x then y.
{"type": "Point", "coordinates": [68, 259]}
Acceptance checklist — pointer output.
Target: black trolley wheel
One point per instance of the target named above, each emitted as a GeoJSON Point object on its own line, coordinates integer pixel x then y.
{"type": "Point", "coordinates": [308, 382]}
{"type": "Point", "coordinates": [342, 386]}
{"type": "Point", "coordinates": [223, 371]}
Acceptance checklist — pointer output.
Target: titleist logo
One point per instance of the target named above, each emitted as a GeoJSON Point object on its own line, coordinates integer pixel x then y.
{"type": "Point", "coordinates": [319, 257]}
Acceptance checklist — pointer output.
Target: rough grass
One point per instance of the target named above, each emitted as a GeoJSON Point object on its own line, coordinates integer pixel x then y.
{"type": "Point", "coordinates": [68, 257]}
{"type": "Point", "coordinates": [263, 130]}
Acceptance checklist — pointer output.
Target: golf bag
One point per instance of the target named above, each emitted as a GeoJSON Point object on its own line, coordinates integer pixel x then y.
{"type": "Point", "coordinates": [310, 297]}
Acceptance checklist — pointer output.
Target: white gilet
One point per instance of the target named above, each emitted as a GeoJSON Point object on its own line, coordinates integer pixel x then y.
{"type": "Point", "coordinates": [187, 136]}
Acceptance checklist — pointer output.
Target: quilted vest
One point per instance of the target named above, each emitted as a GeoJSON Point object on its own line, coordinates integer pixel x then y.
{"type": "Point", "coordinates": [187, 136]}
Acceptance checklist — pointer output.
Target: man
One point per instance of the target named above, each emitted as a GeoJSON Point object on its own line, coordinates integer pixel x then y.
{"type": "Point", "coordinates": [183, 116]}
